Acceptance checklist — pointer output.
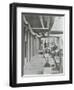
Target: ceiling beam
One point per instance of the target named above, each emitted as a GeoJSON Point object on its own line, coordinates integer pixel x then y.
{"type": "Point", "coordinates": [40, 28]}
{"type": "Point", "coordinates": [48, 22]}
{"type": "Point", "coordinates": [41, 20]}
{"type": "Point", "coordinates": [56, 32]}
{"type": "Point", "coordinates": [25, 21]}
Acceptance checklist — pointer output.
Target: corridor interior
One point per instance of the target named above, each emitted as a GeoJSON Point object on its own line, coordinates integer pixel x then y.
{"type": "Point", "coordinates": [42, 44]}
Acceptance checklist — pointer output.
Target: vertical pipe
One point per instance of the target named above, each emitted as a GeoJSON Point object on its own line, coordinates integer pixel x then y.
{"type": "Point", "coordinates": [28, 46]}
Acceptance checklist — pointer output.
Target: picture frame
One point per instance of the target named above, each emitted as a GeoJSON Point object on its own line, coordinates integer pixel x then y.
{"type": "Point", "coordinates": [41, 21]}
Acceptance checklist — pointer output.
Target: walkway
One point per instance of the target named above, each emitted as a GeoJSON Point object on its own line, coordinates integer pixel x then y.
{"type": "Point", "coordinates": [36, 66]}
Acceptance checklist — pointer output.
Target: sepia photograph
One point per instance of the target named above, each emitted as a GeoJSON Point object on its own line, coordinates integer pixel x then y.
{"type": "Point", "coordinates": [42, 44]}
